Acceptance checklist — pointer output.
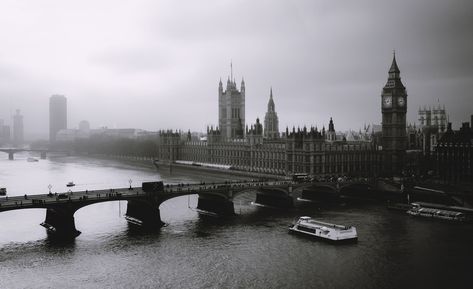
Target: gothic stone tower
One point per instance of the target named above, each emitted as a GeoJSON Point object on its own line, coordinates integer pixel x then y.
{"type": "Point", "coordinates": [331, 134]}
{"type": "Point", "coordinates": [231, 109]}
{"type": "Point", "coordinates": [393, 109]}
{"type": "Point", "coordinates": [271, 122]}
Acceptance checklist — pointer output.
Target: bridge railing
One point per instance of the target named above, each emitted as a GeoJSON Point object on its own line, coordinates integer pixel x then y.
{"type": "Point", "coordinates": [41, 200]}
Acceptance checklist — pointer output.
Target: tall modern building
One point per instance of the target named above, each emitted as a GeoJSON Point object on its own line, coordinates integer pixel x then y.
{"type": "Point", "coordinates": [18, 134]}
{"type": "Point", "coordinates": [57, 115]}
{"type": "Point", "coordinates": [393, 109]}
{"type": "Point", "coordinates": [271, 122]}
{"type": "Point", "coordinates": [4, 133]}
{"type": "Point", "coordinates": [231, 109]}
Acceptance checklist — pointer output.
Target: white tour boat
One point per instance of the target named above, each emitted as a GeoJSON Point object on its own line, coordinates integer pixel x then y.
{"type": "Point", "coordinates": [332, 232]}
{"type": "Point", "coordinates": [70, 184]}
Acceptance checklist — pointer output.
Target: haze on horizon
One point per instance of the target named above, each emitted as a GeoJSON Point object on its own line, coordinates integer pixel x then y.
{"type": "Point", "coordinates": [156, 64]}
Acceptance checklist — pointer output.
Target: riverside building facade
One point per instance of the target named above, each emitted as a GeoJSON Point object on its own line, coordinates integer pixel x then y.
{"type": "Point", "coordinates": [302, 150]}
{"type": "Point", "coordinates": [312, 151]}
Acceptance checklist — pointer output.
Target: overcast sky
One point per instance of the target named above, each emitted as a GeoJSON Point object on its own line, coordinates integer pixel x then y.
{"type": "Point", "coordinates": [156, 64]}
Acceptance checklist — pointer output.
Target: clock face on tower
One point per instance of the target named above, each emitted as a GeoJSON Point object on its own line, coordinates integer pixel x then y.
{"type": "Point", "coordinates": [401, 101]}
{"type": "Point", "coordinates": [387, 101]}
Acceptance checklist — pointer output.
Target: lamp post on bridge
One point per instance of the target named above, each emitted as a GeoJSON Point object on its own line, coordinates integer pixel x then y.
{"type": "Point", "coordinates": [50, 187]}
{"type": "Point", "coordinates": [130, 181]}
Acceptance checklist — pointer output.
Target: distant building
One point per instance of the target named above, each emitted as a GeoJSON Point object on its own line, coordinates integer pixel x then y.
{"type": "Point", "coordinates": [4, 133]}
{"type": "Point", "coordinates": [434, 117]}
{"type": "Point", "coordinates": [66, 135]}
{"type": "Point", "coordinates": [57, 115]}
{"type": "Point", "coordinates": [231, 109]}
{"type": "Point", "coordinates": [119, 133]}
{"type": "Point", "coordinates": [18, 133]}
{"type": "Point", "coordinates": [271, 122]}
{"type": "Point", "coordinates": [433, 124]}
{"type": "Point", "coordinates": [84, 129]}
{"type": "Point", "coordinates": [84, 126]}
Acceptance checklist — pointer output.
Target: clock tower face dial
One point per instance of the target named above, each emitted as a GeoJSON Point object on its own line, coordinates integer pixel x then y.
{"type": "Point", "coordinates": [401, 101]}
{"type": "Point", "coordinates": [387, 101]}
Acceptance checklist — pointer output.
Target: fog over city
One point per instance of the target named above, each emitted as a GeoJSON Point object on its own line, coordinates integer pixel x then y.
{"type": "Point", "coordinates": [157, 64]}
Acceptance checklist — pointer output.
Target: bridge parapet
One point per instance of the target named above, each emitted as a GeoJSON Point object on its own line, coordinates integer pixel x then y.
{"type": "Point", "coordinates": [143, 202]}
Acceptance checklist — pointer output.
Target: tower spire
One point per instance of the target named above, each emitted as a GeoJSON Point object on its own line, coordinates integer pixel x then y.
{"type": "Point", "coordinates": [394, 68]}
{"type": "Point", "coordinates": [231, 70]}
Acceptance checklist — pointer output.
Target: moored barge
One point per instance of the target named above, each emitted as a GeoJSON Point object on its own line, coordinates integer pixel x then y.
{"type": "Point", "coordinates": [436, 211]}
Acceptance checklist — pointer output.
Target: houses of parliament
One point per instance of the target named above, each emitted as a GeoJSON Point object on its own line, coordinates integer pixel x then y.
{"type": "Point", "coordinates": [261, 147]}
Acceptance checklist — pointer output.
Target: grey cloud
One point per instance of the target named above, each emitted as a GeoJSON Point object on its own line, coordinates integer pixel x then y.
{"type": "Point", "coordinates": [133, 60]}
{"type": "Point", "coordinates": [160, 61]}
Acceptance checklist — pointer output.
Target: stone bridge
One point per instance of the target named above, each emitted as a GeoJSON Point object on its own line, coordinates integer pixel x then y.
{"type": "Point", "coordinates": [143, 202]}
{"type": "Point", "coordinates": [11, 152]}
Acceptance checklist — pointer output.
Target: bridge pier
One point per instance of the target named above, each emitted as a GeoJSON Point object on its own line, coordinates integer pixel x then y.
{"type": "Point", "coordinates": [10, 155]}
{"type": "Point", "coordinates": [60, 222]}
{"type": "Point", "coordinates": [144, 213]}
{"type": "Point", "coordinates": [217, 205]}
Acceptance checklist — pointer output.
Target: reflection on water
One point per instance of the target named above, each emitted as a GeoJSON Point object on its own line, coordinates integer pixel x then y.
{"type": "Point", "coordinates": [251, 250]}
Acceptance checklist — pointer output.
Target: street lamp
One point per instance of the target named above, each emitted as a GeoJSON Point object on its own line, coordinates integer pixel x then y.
{"type": "Point", "coordinates": [130, 181]}
{"type": "Point", "coordinates": [49, 187]}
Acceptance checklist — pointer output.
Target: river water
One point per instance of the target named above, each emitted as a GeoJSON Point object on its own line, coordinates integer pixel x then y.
{"type": "Point", "coordinates": [251, 250]}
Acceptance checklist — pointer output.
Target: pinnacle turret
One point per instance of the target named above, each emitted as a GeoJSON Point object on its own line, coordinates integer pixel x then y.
{"type": "Point", "coordinates": [271, 121]}
{"type": "Point", "coordinates": [394, 68]}
{"type": "Point", "coordinates": [271, 106]}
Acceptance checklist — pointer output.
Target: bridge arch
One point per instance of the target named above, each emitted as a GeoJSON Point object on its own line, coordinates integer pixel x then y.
{"type": "Point", "coordinates": [299, 188]}
{"type": "Point", "coordinates": [240, 191]}
{"type": "Point", "coordinates": [355, 188]}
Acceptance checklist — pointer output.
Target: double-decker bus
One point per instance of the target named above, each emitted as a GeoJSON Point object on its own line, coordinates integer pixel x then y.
{"type": "Point", "coordinates": [300, 177]}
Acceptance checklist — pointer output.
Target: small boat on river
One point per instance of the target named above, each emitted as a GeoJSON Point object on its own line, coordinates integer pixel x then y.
{"type": "Point", "coordinates": [133, 221]}
{"type": "Point", "coordinates": [32, 160]}
{"type": "Point", "coordinates": [70, 184]}
{"type": "Point", "coordinates": [332, 232]}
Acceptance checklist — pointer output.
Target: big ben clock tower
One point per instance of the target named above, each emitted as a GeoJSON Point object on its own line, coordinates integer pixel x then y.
{"type": "Point", "coordinates": [394, 108]}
